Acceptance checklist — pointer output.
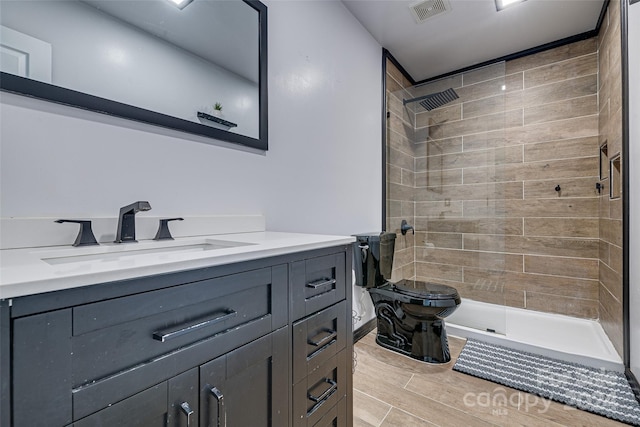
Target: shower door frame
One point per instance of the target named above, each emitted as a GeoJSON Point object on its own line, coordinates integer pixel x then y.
{"type": "Point", "coordinates": [626, 205]}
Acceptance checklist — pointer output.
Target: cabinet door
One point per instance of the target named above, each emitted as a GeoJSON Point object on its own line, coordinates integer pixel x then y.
{"type": "Point", "coordinates": [145, 409]}
{"type": "Point", "coordinates": [248, 386]}
{"type": "Point", "coordinates": [172, 403]}
{"type": "Point", "coordinates": [182, 401]}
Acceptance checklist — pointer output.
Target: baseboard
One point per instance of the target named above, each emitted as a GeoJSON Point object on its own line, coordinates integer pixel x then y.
{"type": "Point", "coordinates": [364, 330]}
{"type": "Point", "coordinates": [633, 382]}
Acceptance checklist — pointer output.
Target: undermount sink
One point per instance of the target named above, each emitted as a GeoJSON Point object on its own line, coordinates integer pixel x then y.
{"type": "Point", "coordinates": [122, 251]}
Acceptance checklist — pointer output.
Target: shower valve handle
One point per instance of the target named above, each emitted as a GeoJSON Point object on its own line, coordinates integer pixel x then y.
{"type": "Point", "coordinates": [404, 227]}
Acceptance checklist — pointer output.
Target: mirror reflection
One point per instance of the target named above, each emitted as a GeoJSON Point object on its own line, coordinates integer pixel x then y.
{"type": "Point", "coordinates": [198, 62]}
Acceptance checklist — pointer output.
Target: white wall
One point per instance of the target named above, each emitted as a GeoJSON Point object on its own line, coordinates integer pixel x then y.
{"type": "Point", "coordinates": [634, 183]}
{"type": "Point", "coordinates": [325, 109]}
{"type": "Point", "coordinates": [322, 173]}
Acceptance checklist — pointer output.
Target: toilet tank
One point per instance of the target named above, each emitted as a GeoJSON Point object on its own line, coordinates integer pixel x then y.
{"type": "Point", "coordinates": [373, 258]}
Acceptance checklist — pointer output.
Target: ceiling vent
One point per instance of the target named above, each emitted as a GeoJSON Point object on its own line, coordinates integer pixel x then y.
{"type": "Point", "coordinates": [424, 10]}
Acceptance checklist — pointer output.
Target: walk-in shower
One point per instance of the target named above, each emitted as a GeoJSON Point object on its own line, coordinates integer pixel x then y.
{"type": "Point", "coordinates": [473, 161]}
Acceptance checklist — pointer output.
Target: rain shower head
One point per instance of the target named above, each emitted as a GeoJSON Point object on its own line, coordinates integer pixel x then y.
{"type": "Point", "coordinates": [434, 100]}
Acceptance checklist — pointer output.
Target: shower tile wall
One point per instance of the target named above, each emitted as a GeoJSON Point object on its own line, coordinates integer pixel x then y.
{"type": "Point", "coordinates": [610, 107]}
{"type": "Point", "coordinates": [400, 181]}
{"type": "Point", "coordinates": [488, 218]}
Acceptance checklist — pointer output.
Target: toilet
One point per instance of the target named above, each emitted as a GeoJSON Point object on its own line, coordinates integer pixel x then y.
{"type": "Point", "coordinates": [410, 314]}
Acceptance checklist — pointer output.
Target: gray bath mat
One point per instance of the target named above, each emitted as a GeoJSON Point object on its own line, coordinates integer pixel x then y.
{"type": "Point", "coordinates": [598, 391]}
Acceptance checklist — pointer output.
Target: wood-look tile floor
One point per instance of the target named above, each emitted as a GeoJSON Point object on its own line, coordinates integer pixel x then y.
{"type": "Point", "coordinates": [394, 390]}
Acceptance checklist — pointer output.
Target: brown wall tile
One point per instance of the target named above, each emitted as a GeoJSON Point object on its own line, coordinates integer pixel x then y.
{"type": "Point", "coordinates": [610, 319]}
{"type": "Point", "coordinates": [493, 104]}
{"type": "Point", "coordinates": [497, 156]}
{"type": "Point", "coordinates": [439, 240]}
{"type": "Point", "coordinates": [585, 308]}
{"type": "Point", "coordinates": [566, 109]}
{"type": "Point", "coordinates": [434, 147]}
{"type": "Point", "coordinates": [489, 260]}
{"type": "Point", "coordinates": [506, 190]}
{"type": "Point", "coordinates": [562, 70]}
{"type": "Point", "coordinates": [439, 271]}
{"type": "Point", "coordinates": [550, 169]}
{"type": "Point", "coordinates": [611, 231]}
{"type": "Point", "coordinates": [561, 227]}
{"type": "Point", "coordinates": [557, 266]}
{"type": "Point", "coordinates": [506, 226]}
{"type": "Point", "coordinates": [441, 210]}
{"type": "Point", "coordinates": [570, 187]}
{"type": "Point", "coordinates": [476, 124]}
{"type": "Point", "coordinates": [487, 88]}
{"type": "Point", "coordinates": [615, 259]}
{"type": "Point", "coordinates": [566, 208]}
{"type": "Point", "coordinates": [438, 178]}
{"type": "Point", "coordinates": [489, 72]}
{"type": "Point", "coordinates": [555, 246]}
{"type": "Point", "coordinates": [561, 53]}
{"type": "Point", "coordinates": [611, 280]}
{"type": "Point", "coordinates": [447, 113]}
{"type": "Point", "coordinates": [552, 285]}
{"type": "Point", "coordinates": [574, 88]}
{"type": "Point", "coordinates": [562, 149]}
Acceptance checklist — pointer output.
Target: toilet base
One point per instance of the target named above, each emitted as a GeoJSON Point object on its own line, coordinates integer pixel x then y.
{"type": "Point", "coordinates": [424, 340]}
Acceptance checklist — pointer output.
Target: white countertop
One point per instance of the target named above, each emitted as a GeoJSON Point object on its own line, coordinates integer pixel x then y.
{"type": "Point", "coordinates": [30, 271]}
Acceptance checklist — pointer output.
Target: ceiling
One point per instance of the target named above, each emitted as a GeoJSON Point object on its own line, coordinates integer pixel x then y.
{"type": "Point", "coordinates": [472, 32]}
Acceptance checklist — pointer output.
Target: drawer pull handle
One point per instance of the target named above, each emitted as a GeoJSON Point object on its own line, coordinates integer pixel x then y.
{"type": "Point", "coordinates": [176, 331]}
{"type": "Point", "coordinates": [327, 393]}
{"type": "Point", "coordinates": [186, 409]}
{"type": "Point", "coordinates": [222, 410]}
{"type": "Point", "coordinates": [328, 337]}
{"type": "Point", "coordinates": [320, 283]}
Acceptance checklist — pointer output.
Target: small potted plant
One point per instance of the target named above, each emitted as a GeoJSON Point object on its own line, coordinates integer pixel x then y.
{"type": "Point", "coordinates": [217, 110]}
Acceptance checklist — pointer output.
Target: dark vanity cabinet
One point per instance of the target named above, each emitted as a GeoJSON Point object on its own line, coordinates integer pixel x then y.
{"type": "Point", "coordinates": [259, 343]}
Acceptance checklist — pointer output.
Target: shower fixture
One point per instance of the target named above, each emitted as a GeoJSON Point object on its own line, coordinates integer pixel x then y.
{"type": "Point", "coordinates": [434, 100]}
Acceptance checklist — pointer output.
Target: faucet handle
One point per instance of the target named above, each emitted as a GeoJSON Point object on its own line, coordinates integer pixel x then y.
{"type": "Point", "coordinates": [85, 235]}
{"type": "Point", "coordinates": [163, 229]}
{"type": "Point", "coordinates": [404, 227]}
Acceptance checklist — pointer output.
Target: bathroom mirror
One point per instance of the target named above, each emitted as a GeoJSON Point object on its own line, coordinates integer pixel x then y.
{"type": "Point", "coordinates": [153, 61]}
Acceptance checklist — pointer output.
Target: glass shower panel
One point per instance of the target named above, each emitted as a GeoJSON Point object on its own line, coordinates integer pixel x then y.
{"type": "Point", "coordinates": [461, 190]}
{"type": "Point", "coordinates": [400, 181]}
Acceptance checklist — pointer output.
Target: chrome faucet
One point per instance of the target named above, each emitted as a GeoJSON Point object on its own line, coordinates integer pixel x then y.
{"type": "Point", "coordinates": [126, 232]}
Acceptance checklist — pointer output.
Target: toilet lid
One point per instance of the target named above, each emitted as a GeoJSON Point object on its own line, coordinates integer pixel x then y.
{"type": "Point", "coordinates": [426, 290]}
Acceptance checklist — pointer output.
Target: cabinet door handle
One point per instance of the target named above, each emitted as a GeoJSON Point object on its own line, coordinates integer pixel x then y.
{"type": "Point", "coordinates": [176, 331]}
{"type": "Point", "coordinates": [186, 409]}
{"type": "Point", "coordinates": [325, 394]}
{"type": "Point", "coordinates": [320, 283]}
{"type": "Point", "coordinates": [222, 410]}
{"type": "Point", "coordinates": [330, 335]}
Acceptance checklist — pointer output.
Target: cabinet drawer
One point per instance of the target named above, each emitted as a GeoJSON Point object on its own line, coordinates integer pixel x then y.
{"type": "Point", "coordinates": [117, 334]}
{"type": "Point", "coordinates": [336, 416]}
{"type": "Point", "coordinates": [132, 342]}
{"type": "Point", "coordinates": [317, 338]}
{"type": "Point", "coordinates": [316, 395]}
{"type": "Point", "coordinates": [317, 283]}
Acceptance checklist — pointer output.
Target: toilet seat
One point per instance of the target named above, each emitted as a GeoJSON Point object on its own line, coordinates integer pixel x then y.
{"type": "Point", "coordinates": [426, 290]}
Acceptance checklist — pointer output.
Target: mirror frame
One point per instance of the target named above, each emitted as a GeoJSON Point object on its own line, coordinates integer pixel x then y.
{"type": "Point", "coordinates": [60, 95]}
